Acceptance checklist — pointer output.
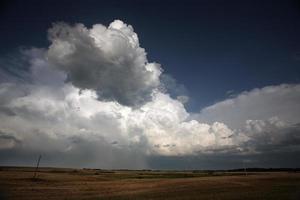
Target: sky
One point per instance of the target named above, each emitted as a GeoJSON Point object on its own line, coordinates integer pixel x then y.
{"type": "Point", "coordinates": [150, 84]}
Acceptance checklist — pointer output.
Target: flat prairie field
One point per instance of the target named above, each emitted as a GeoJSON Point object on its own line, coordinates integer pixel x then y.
{"type": "Point", "coordinates": [94, 184]}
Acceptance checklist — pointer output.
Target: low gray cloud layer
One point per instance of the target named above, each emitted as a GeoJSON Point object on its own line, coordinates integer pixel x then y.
{"type": "Point", "coordinates": [92, 99]}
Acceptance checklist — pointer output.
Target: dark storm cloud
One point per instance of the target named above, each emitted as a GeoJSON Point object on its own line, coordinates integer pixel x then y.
{"type": "Point", "coordinates": [92, 99]}
{"type": "Point", "coordinates": [106, 59]}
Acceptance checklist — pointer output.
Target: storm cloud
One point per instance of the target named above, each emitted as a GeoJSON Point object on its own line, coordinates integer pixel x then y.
{"type": "Point", "coordinates": [108, 60]}
{"type": "Point", "coordinates": [92, 99]}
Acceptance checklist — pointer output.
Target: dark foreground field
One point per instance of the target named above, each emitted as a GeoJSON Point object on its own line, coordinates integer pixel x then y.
{"type": "Point", "coordinates": [52, 183]}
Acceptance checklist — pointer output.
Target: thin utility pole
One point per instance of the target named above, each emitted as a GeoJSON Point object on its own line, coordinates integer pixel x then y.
{"type": "Point", "coordinates": [37, 166]}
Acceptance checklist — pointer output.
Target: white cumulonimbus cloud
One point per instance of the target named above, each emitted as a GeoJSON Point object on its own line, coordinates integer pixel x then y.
{"type": "Point", "coordinates": [93, 97]}
{"type": "Point", "coordinates": [106, 59]}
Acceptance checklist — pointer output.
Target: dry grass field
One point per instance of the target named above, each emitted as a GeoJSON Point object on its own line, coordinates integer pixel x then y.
{"type": "Point", "coordinates": [92, 184]}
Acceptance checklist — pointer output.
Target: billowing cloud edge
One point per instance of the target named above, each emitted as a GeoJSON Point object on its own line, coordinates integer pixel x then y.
{"type": "Point", "coordinates": [94, 92]}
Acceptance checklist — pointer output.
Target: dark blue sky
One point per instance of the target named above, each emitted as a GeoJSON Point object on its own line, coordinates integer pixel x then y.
{"type": "Point", "coordinates": [211, 47]}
